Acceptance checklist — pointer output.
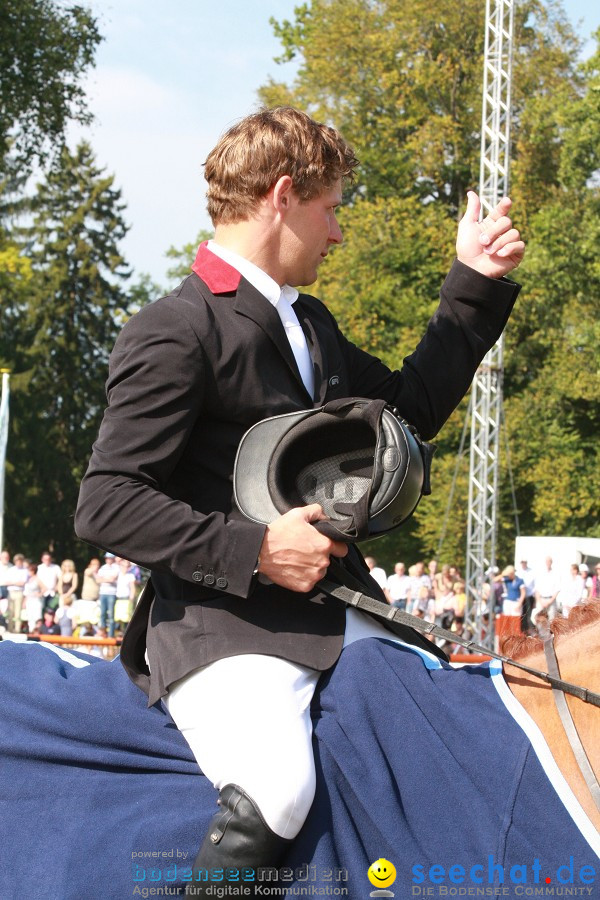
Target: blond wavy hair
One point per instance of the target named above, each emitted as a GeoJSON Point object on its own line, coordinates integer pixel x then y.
{"type": "Point", "coordinates": [252, 155]}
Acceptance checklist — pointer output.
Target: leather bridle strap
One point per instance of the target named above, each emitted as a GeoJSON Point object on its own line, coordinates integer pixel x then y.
{"type": "Point", "coordinates": [568, 724]}
{"type": "Point", "coordinates": [391, 614]}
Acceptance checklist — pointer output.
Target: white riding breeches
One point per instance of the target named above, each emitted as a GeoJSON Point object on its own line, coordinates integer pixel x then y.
{"type": "Point", "coordinates": [247, 721]}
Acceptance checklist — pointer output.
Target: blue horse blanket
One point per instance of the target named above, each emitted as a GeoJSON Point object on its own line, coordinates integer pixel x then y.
{"type": "Point", "coordinates": [437, 771]}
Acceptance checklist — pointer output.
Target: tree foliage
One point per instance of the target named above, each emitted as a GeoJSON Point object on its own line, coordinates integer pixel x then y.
{"type": "Point", "coordinates": [402, 81]}
{"type": "Point", "coordinates": [45, 49]}
{"type": "Point", "coordinates": [58, 325]}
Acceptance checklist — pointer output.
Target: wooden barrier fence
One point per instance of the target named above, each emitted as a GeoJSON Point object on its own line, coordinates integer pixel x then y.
{"type": "Point", "coordinates": [109, 646]}
{"type": "Point", "coordinates": [505, 625]}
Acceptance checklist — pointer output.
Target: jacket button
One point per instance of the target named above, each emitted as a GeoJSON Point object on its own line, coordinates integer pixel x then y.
{"type": "Point", "coordinates": [222, 583]}
{"type": "Point", "coordinates": [197, 575]}
{"type": "Point", "coordinates": [209, 579]}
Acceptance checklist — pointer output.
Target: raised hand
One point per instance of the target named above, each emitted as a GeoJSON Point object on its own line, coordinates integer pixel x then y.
{"type": "Point", "coordinates": [492, 247]}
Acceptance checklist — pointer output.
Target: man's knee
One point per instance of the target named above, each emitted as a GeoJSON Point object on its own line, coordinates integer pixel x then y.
{"type": "Point", "coordinates": [285, 800]}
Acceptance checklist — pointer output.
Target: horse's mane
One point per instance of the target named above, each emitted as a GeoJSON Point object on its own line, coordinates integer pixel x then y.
{"type": "Point", "coordinates": [520, 646]}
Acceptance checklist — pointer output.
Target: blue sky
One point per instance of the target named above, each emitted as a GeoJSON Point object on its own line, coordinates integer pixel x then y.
{"type": "Point", "coordinates": [169, 78]}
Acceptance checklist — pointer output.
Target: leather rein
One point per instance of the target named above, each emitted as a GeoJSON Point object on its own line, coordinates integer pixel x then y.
{"type": "Point", "coordinates": [560, 687]}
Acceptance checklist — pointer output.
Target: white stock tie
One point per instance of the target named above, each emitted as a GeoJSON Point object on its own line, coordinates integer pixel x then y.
{"type": "Point", "coordinates": [297, 338]}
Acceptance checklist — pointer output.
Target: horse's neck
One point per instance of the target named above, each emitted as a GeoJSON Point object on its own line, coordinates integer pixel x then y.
{"type": "Point", "coordinates": [578, 660]}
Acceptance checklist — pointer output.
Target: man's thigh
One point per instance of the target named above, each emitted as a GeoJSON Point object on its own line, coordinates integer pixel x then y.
{"type": "Point", "coordinates": [247, 721]}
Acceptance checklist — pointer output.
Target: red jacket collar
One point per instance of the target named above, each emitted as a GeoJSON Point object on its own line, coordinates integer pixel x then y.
{"type": "Point", "coordinates": [219, 276]}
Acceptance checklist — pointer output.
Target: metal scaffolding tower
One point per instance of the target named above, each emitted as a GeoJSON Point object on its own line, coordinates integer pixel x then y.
{"type": "Point", "coordinates": [486, 395]}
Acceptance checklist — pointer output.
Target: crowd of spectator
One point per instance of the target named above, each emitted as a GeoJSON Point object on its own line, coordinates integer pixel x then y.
{"type": "Point", "coordinates": [434, 593]}
{"type": "Point", "coordinates": [49, 599]}
{"type": "Point", "coordinates": [438, 594]}
{"type": "Point", "coordinates": [45, 598]}
{"type": "Point", "coordinates": [538, 596]}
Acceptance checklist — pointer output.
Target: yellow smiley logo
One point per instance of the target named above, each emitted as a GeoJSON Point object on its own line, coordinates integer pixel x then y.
{"type": "Point", "coordinates": [382, 873]}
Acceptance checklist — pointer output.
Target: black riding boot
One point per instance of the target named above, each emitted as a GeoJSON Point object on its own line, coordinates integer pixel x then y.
{"type": "Point", "coordinates": [238, 837]}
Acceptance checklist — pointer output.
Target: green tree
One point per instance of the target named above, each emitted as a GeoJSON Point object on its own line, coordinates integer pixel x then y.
{"type": "Point", "coordinates": [45, 49]}
{"type": "Point", "coordinates": [67, 322]}
{"type": "Point", "coordinates": [384, 73]}
{"type": "Point", "coordinates": [402, 81]}
{"type": "Point", "coordinates": [580, 120]}
{"type": "Point", "coordinates": [553, 369]}
{"type": "Point", "coordinates": [553, 359]}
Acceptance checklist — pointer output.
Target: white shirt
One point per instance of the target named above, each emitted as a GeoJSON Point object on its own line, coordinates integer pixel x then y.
{"type": "Point", "coordinates": [4, 573]}
{"type": "Point", "coordinates": [17, 577]}
{"type": "Point", "coordinates": [282, 299]}
{"type": "Point", "coordinates": [528, 577]}
{"type": "Point", "coordinates": [379, 575]}
{"type": "Point", "coordinates": [547, 583]}
{"type": "Point", "coordinates": [49, 576]}
{"type": "Point", "coordinates": [398, 586]}
{"type": "Point", "coordinates": [571, 593]}
{"type": "Point", "coordinates": [108, 588]}
{"type": "Point", "coordinates": [124, 582]}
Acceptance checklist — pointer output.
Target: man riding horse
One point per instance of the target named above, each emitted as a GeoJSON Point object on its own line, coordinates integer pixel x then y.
{"type": "Point", "coordinates": [234, 630]}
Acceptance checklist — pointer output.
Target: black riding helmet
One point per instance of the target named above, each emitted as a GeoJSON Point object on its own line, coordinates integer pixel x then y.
{"type": "Point", "coordinates": [364, 464]}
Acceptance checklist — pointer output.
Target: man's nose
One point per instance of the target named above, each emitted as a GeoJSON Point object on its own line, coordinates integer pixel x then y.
{"type": "Point", "coordinates": [335, 233]}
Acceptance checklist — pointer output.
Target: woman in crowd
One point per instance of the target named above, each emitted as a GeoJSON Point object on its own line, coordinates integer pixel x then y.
{"type": "Point", "coordinates": [65, 615]}
{"type": "Point", "coordinates": [68, 581]}
{"type": "Point", "coordinates": [32, 594]}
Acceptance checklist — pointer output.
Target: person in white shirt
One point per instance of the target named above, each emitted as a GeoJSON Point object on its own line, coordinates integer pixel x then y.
{"type": "Point", "coordinates": [572, 592]}
{"type": "Point", "coordinates": [32, 592]}
{"type": "Point", "coordinates": [126, 586]}
{"type": "Point", "coordinates": [376, 571]}
{"type": "Point", "coordinates": [17, 577]}
{"type": "Point", "coordinates": [547, 586]}
{"type": "Point", "coordinates": [396, 589]}
{"type": "Point", "coordinates": [107, 579]}
{"type": "Point", "coordinates": [48, 573]}
{"type": "Point", "coordinates": [584, 571]}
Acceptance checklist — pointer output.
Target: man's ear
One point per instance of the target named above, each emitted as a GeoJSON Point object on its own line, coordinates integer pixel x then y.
{"type": "Point", "coordinates": [282, 193]}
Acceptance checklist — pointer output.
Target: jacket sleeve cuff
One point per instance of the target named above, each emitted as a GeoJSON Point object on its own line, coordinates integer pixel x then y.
{"type": "Point", "coordinates": [475, 292]}
{"type": "Point", "coordinates": [234, 574]}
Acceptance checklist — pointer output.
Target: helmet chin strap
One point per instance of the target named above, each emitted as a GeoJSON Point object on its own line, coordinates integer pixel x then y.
{"type": "Point", "coordinates": [339, 530]}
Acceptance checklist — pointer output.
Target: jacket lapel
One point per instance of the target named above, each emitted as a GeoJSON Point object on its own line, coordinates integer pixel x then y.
{"type": "Point", "coordinates": [250, 303]}
{"type": "Point", "coordinates": [221, 278]}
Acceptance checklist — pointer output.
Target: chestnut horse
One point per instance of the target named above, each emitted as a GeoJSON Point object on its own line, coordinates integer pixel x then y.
{"type": "Point", "coordinates": [578, 652]}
